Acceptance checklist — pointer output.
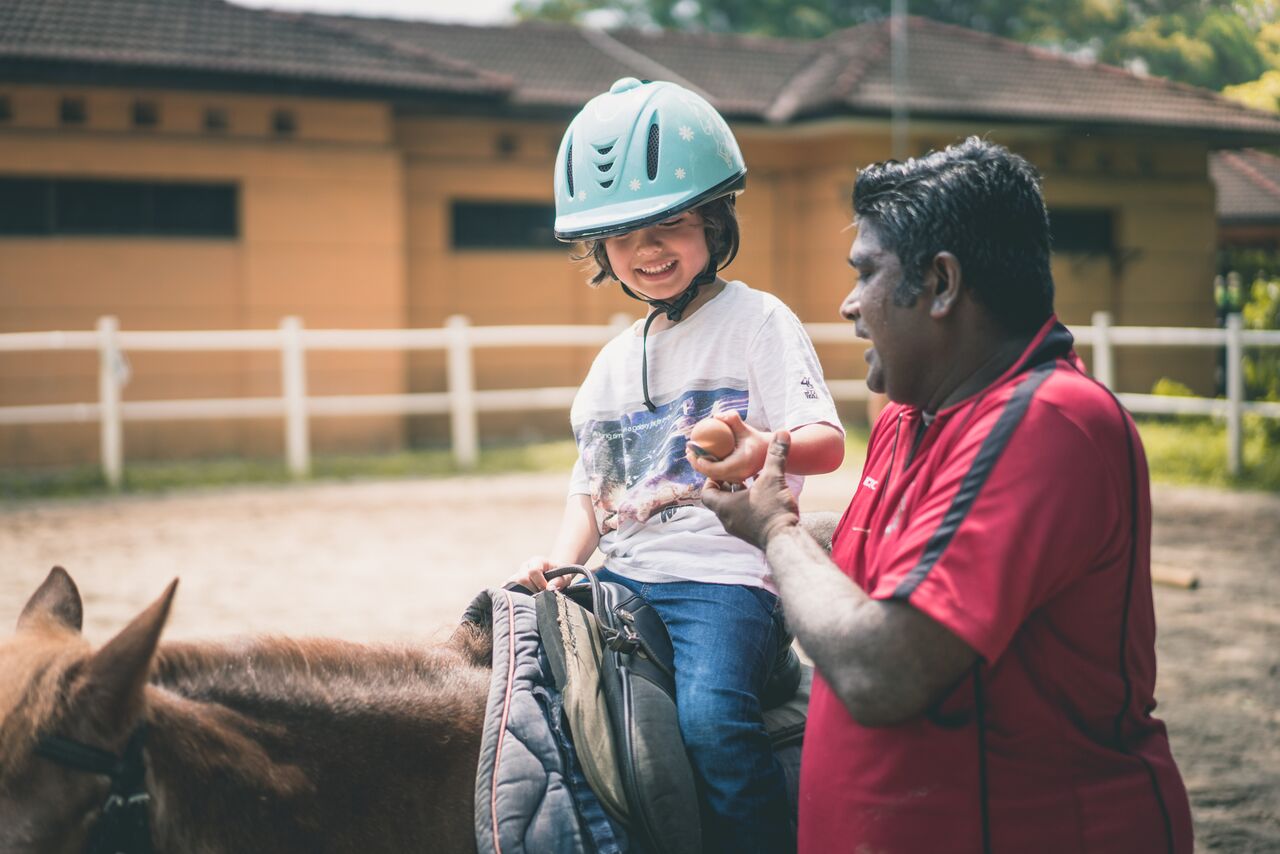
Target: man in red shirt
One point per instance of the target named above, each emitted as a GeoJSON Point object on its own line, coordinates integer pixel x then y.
{"type": "Point", "coordinates": [986, 649]}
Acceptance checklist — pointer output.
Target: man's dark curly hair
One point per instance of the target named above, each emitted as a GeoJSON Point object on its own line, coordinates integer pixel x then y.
{"type": "Point", "coordinates": [978, 201]}
{"type": "Point", "coordinates": [719, 222]}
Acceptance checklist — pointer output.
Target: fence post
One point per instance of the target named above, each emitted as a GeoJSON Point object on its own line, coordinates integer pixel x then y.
{"type": "Point", "coordinates": [619, 321]}
{"type": "Point", "coordinates": [462, 398]}
{"type": "Point", "coordinates": [111, 428]}
{"type": "Point", "coordinates": [1235, 392]}
{"type": "Point", "coordinates": [293, 371]}
{"type": "Point", "coordinates": [1103, 365]}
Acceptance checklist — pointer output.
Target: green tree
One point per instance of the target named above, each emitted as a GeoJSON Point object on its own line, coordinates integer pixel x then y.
{"type": "Point", "coordinates": [1205, 47]}
{"type": "Point", "coordinates": [1208, 43]}
{"type": "Point", "coordinates": [1260, 94]}
{"type": "Point", "coordinates": [1029, 20]}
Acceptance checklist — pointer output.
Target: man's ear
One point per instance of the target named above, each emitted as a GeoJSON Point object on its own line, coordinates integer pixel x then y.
{"type": "Point", "coordinates": [946, 281]}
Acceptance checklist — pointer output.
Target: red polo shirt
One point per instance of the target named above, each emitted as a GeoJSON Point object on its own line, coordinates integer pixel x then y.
{"type": "Point", "coordinates": [1020, 519]}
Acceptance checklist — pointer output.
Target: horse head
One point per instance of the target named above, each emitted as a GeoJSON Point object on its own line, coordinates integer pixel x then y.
{"type": "Point", "coordinates": [53, 685]}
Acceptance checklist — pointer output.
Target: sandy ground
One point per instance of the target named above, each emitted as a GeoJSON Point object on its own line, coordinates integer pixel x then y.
{"type": "Point", "coordinates": [400, 560]}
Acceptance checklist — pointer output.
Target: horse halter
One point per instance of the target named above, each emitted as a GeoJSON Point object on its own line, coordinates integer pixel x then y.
{"type": "Point", "coordinates": [125, 824]}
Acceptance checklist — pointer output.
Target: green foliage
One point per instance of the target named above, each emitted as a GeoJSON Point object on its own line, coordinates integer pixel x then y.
{"type": "Point", "coordinates": [1245, 265]}
{"type": "Point", "coordinates": [1258, 305]}
{"type": "Point", "coordinates": [1262, 364]}
{"type": "Point", "coordinates": [1195, 452]}
{"type": "Point", "coordinates": [1211, 48]}
{"type": "Point", "coordinates": [1166, 387]}
{"type": "Point", "coordinates": [1207, 43]}
{"type": "Point", "coordinates": [1030, 20]}
{"type": "Point", "coordinates": [1260, 94]}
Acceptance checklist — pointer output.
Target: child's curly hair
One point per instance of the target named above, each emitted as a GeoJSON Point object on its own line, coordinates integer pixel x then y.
{"type": "Point", "coordinates": [719, 222]}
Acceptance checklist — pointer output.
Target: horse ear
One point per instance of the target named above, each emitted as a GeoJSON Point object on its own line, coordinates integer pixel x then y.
{"type": "Point", "coordinates": [56, 600]}
{"type": "Point", "coordinates": [115, 675]}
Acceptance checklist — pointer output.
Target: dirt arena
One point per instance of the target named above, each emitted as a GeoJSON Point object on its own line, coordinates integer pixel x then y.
{"type": "Point", "coordinates": [400, 560]}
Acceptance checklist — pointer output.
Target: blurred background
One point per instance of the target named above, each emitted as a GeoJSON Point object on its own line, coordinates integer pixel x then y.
{"type": "Point", "coordinates": [260, 240]}
{"type": "Point", "coordinates": [204, 165]}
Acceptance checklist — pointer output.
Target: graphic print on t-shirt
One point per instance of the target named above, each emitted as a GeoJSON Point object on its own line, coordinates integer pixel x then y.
{"type": "Point", "coordinates": [636, 465]}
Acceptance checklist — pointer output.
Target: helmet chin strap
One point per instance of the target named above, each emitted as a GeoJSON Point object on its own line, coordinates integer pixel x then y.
{"type": "Point", "coordinates": [674, 310]}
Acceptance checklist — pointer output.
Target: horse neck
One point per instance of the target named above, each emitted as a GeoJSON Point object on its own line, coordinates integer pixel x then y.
{"type": "Point", "coordinates": [295, 746]}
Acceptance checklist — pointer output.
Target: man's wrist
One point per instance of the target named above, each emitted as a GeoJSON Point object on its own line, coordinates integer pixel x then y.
{"type": "Point", "coordinates": [778, 526]}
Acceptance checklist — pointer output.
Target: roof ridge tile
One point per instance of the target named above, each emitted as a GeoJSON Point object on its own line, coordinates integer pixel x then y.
{"type": "Point", "coordinates": [1243, 166]}
{"type": "Point", "coordinates": [337, 24]}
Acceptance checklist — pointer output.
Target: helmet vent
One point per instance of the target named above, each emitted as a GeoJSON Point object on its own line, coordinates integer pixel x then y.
{"type": "Point", "coordinates": [605, 149]}
{"type": "Point", "coordinates": [568, 167]}
{"type": "Point", "coordinates": [605, 167]}
{"type": "Point", "coordinates": [607, 184]}
{"type": "Point", "coordinates": [652, 162]}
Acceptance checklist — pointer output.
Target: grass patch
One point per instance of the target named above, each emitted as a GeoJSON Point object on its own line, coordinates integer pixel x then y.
{"type": "Point", "coordinates": [1194, 451]}
{"type": "Point", "coordinates": [855, 444]}
{"type": "Point", "coordinates": [157, 477]}
{"type": "Point", "coordinates": [1188, 451]}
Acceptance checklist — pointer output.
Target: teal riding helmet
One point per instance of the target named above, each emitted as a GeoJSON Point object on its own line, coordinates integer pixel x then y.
{"type": "Point", "coordinates": [638, 154]}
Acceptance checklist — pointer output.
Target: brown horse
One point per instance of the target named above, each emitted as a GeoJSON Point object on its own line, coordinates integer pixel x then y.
{"type": "Point", "coordinates": [269, 744]}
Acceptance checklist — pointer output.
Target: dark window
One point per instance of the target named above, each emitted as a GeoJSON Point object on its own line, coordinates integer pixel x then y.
{"type": "Point", "coordinates": [6, 109]}
{"type": "Point", "coordinates": [99, 207]}
{"type": "Point", "coordinates": [1082, 230]}
{"type": "Point", "coordinates": [145, 114]}
{"type": "Point", "coordinates": [194, 209]}
{"type": "Point", "coordinates": [26, 206]}
{"type": "Point", "coordinates": [215, 120]}
{"type": "Point", "coordinates": [284, 123]}
{"type": "Point", "coordinates": [35, 206]}
{"type": "Point", "coordinates": [503, 225]}
{"type": "Point", "coordinates": [72, 111]}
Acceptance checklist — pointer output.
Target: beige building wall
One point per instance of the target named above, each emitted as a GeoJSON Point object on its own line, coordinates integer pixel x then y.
{"type": "Point", "coordinates": [321, 235]}
{"type": "Point", "coordinates": [347, 223]}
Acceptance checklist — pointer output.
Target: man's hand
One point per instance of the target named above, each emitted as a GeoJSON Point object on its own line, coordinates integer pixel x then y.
{"type": "Point", "coordinates": [767, 507]}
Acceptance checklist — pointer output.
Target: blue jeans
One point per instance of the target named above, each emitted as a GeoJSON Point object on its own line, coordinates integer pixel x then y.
{"type": "Point", "coordinates": [725, 637]}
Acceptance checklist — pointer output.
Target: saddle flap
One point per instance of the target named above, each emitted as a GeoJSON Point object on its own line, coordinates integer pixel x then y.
{"type": "Point", "coordinates": [571, 640]}
{"type": "Point", "coordinates": [637, 683]}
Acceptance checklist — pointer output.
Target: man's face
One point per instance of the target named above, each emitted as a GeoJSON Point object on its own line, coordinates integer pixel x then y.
{"type": "Point", "coordinates": [896, 361]}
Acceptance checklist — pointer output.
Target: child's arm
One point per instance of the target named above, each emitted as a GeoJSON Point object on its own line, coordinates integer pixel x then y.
{"type": "Point", "coordinates": [574, 543]}
{"type": "Point", "coordinates": [816, 449]}
{"type": "Point", "coordinates": [820, 449]}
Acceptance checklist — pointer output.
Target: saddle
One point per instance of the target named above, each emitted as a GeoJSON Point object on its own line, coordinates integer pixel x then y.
{"type": "Point", "coordinates": [612, 660]}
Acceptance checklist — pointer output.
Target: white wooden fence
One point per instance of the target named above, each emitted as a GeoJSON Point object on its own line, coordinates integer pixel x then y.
{"type": "Point", "coordinates": [462, 401]}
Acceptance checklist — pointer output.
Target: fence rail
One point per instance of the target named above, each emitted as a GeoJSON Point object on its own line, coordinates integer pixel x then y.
{"type": "Point", "coordinates": [462, 401]}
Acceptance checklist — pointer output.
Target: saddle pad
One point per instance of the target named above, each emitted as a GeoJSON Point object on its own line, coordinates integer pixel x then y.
{"type": "Point", "coordinates": [523, 800]}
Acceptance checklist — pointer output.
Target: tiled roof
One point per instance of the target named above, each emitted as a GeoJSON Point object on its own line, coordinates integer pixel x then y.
{"type": "Point", "coordinates": [953, 73]}
{"type": "Point", "coordinates": [956, 72]}
{"type": "Point", "coordinates": [216, 37]}
{"type": "Point", "coordinates": [1248, 184]}
{"type": "Point", "coordinates": [556, 65]}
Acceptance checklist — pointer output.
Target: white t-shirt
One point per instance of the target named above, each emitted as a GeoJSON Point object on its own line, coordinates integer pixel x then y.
{"type": "Point", "coordinates": [743, 350]}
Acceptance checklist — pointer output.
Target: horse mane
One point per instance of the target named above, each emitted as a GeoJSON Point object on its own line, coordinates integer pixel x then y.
{"type": "Point", "coordinates": [260, 674]}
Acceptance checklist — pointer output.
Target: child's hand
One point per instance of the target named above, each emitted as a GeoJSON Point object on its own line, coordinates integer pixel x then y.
{"type": "Point", "coordinates": [532, 575]}
{"type": "Point", "coordinates": [746, 459]}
